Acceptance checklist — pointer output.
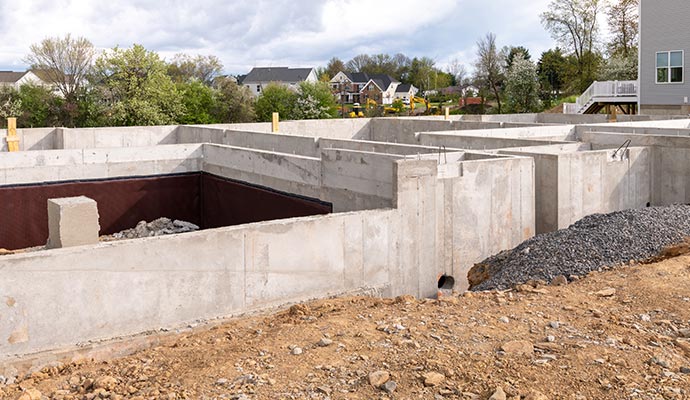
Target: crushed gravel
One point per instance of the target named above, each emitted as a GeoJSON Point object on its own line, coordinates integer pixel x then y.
{"type": "Point", "coordinates": [596, 241]}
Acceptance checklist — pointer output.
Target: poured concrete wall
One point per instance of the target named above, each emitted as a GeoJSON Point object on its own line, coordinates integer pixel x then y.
{"type": "Point", "coordinates": [32, 139]}
{"type": "Point", "coordinates": [670, 176]}
{"type": "Point", "coordinates": [61, 297]}
{"type": "Point", "coordinates": [484, 206]}
{"type": "Point", "coordinates": [61, 165]}
{"type": "Point", "coordinates": [446, 217]}
{"type": "Point", "coordinates": [571, 183]}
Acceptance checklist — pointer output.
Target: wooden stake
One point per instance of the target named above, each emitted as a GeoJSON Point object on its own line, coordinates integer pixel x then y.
{"type": "Point", "coordinates": [12, 139]}
{"type": "Point", "coordinates": [276, 119]}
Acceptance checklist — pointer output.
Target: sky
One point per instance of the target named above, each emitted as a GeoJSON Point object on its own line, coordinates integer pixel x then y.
{"type": "Point", "coordinates": [295, 33]}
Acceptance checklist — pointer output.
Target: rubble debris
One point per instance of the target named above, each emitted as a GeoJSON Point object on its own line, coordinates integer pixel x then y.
{"type": "Point", "coordinates": [158, 227]}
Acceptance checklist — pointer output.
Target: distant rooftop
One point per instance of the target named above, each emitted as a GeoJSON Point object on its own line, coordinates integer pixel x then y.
{"type": "Point", "coordinates": [277, 74]}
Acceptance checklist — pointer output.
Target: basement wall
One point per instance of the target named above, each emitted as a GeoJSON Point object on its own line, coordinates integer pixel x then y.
{"type": "Point", "coordinates": [573, 184]}
{"type": "Point", "coordinates": [445, 219]}
{"type": "Point", "coordinates": [670, 171]}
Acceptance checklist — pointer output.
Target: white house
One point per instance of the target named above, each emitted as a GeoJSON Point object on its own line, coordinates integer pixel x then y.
{"type": "Point", "coordinates": [357, 87]}
{"type": "Point", "coordinates": [17, 79]}
{"type": "Point", "coordinates": [405, 92]}
{"type": "Point", "coordinates": [258, 78]}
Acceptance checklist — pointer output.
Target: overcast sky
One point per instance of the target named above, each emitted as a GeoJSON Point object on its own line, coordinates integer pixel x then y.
{"type": "Point", "coordinates": [298, 33]}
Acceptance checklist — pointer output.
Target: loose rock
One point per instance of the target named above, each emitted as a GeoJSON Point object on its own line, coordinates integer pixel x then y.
{"type": "Point", "coordinates": [433, 379]}
{"type": "Point", "coordinates": [499, 394]}
{"type": "Point", "coordinates": [518, 347]}
{"type": "Point", "coordinates": [378, 378]}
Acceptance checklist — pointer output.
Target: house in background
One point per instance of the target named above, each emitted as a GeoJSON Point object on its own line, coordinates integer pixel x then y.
{"type": "Point", "coordinates": [664, 46]}
{"type": "Point", "coordinates": [258, 78]}
{"type": "Point", "coordinates": [405, 92]}
{"type": "Point", "coordinates": [358, 87]}
{"type": "Point", "coordinates": [17, 79]}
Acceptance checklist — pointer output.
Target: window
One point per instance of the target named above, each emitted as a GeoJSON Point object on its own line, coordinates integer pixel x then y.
{"type": "Point", "coordinates": [258, 88]}
{"type": "Point", "coordinates": [669, 66]}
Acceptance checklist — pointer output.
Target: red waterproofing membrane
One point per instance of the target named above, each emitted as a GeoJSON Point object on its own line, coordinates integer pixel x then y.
{"type": "Point", "coordinates": [203, 199]}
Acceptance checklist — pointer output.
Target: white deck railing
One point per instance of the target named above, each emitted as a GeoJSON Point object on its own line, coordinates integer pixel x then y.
{"type": "Point", "coordinates": [606, 89]}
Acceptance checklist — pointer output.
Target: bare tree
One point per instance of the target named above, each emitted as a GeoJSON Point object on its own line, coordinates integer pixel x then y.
{"type": "Point", "coordinates": [623, 24]}
{"type": "Point", "coordinates": [64, 62]}
{"type": "Point", "coordinates": [573, 23]}
{"type": "Point", "coordinates": [488, 67]}
{"type": "Point", "coordinates": [334, 66]}
{"type": "Point", "coordinates": [359, 63]}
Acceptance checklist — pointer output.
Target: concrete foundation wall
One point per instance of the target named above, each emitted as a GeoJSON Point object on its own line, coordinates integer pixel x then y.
{"type": "Point", "coordinates": [485, 206]}
{"type": "Point", "coordinates": [95, 138]}
{"type": "Point", "coordinates": [593, 182]}
{"type": "Point", "coordinates": [344, 128]}
{"type": "Point", "coordinates": [31, 139]}
{"type": "Point", "coordinates": [572, 182]}
{"type": "Point", "coordinates": [61, 165]}
{"type": "Point", "coordinates": [671, 175]}
{"type": "Point", "coordinates": [446, 217]}
{"type": "Point", "coordinates": [62, 297]}
{"type": "Point", "coordinates": [477, 142]}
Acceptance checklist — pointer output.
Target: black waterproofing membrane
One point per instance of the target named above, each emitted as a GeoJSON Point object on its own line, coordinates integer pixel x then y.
{"type": "Point", "coordinates": [201, 198]}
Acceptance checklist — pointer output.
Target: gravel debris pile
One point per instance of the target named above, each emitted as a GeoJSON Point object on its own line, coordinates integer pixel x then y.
{"type": "Point", "coordinates": [596, 241]}
{"type": "Point", "coordinates": [157, 227]}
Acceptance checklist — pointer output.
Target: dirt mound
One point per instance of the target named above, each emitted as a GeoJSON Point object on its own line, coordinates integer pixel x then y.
{"type": "Point", "coordinates": [619, 334]}
{"type": "Point", "coordinates": [594, 242]}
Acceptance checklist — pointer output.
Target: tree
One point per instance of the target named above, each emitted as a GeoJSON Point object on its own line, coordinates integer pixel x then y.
{"type": "Point", "coordinates": [573, 23]}
{"type": "Point", "coordinates": [334, 66]}
{"type": "Point", "coordinates": [358, 63]}
{"type": "Point", "coordinates": [552, 71]}
{"type": "Point", "coordinates": [512, 52]}
{"type": "Point", "coordinates": [315, 101]}
{"type": "Point", "coordinates": [276, 98]}
{"type": "Point", "coordinates": [63, 62]}
{"type": "Point", "coordinates": [185, 68]}
{"type": "Point", "coordinates": [619, 68]}
{"type": "Point", "coordinates": [199, 103]}
{"type": "Point", "coordinates": [10, 104]}
{"type": "Point", "coordinates": [624, 27]}
{"type": "Point", "coordinates": [40, 107]}
{"type": "Point", "coordinates": [233, 103]}
{"type": "Point", "coordinates": [136, 89]}
{"type": "Point", "coordinates": [522, 86]}
{"type": "Point", "coordinates": [421, 73]}
{"type": "Point", "coordinates": [458, 71]}
{"type": "Point", "coordinates": [488, 67]}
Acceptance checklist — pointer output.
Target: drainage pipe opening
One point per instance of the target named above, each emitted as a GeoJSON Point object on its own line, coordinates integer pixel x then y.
{"type": "Point", "coordinates": [446, 282]}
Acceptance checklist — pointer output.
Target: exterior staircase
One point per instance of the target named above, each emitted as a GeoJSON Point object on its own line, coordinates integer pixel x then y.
{"type": "Point", "coordinates": [599, 95]}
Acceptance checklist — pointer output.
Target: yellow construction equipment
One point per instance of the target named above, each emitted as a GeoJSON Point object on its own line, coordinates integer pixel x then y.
{"type": "Point", "coordinates": [371, 103]}
{"type": "Point", "coordinates": [421, 100]}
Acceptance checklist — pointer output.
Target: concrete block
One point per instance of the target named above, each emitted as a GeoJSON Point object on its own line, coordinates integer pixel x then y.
{"type": "Point", "coordinates": [72, 221]}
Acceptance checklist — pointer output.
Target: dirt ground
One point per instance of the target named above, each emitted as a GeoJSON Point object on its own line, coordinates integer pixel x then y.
{"type": "Point", "coordinates": [618, 334]}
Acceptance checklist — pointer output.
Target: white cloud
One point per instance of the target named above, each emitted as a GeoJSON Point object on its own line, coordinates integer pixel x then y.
{"type": "Point", "coordinates": [246, 33]}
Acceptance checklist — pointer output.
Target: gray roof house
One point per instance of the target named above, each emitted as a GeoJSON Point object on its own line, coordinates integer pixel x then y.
{"type": "Point", "coordinates": [258, 78]}
{"type": "Point", "coordinates": [356, 87]}
{"type": "Point", "coordinates": [17, 79]}
{"type": "Point", "coordinates": [664, 49]}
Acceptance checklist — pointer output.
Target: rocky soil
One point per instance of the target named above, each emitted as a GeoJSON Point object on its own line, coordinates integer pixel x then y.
{"type": "Point", "coordinates": [594, 242]}
{"type": "Point", "coordinates": [617, 334]}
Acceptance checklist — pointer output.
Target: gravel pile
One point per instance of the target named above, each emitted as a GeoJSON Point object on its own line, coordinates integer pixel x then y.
{"type": "Point", "coordinates": [594, 242]}
{"type": "Point", "coordinates": [157, 227]}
